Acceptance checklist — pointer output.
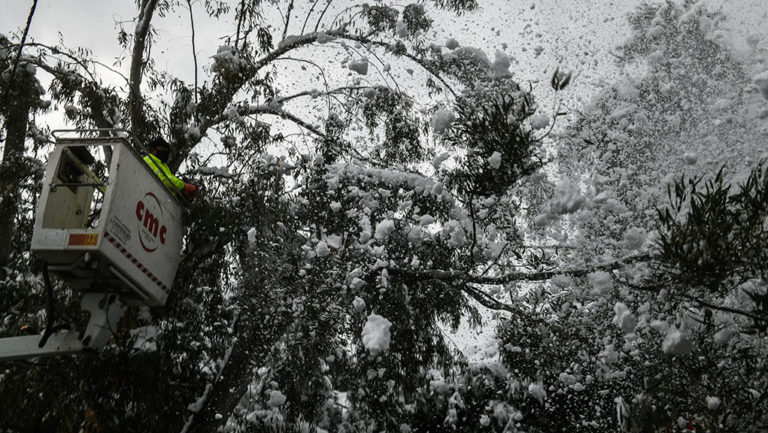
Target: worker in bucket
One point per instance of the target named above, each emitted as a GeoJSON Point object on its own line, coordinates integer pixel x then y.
{"type": "Point", "coordinates": [159, 152]}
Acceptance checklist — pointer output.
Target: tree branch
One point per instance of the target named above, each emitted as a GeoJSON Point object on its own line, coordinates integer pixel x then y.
{"type": "Point", "coordinates": [279, 112]}
{"type": "Point", "coordinates": [366, 40]}
{"type": "Point", "coordinates": [438, 274]}
{"type": "Point", "coordinates": [310, 38]}
{"type": "Point", "coordinates": [546, 275]}
{"type": "Point", "coordinates": [92, 94]}
{"type": "Point", "coordinates": [723, 308]}
{"type": "Point", "coordinates": [146, 9]}
{"type": "Point", "coordinates": [81, 62]}
{"type": "Point", "coordinates": [486, 300]}
{"type": "Point", "coordinates": [294, 43]}
{"type": "Point", "coordinates": [322, 73]}
{"type": "Point", "coordinates": [313, 92]}
{"type": "Point", "coordinates": [700, 302]}
{"type": "Point", "coordinates": [240, 20]}
{"type": "Point", "coordinates": [21, 47]}
{"type": "Point", "coordinates": [222, 97]}
{"type": "Point", "coordinates": [272, 109]}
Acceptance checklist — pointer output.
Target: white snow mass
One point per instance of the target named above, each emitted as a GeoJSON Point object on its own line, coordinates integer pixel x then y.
{"type": "Point", "coordinates": [276, 398]}
{"type": "Point", "coordinates": [442, 120]}
{"type": "Point", "coordinates": [359, 66]}
{"type": "Point", "coordinates": [675, 342]}
{"type": "Point", "coordinates": [384, 228]}
{"type": "Point", "coordinates": [624, 318]}
{"type": "Point", "coordinates": [761, 80]}
{"type": "Point", "coordinates": [601, 282]}
{"type": "Point", "coordinates": [359, 304]}
{"type": "Point", "coordinates": [567, 199]}
{"type": "Point", "coordinates": [495, 160]}
{"type": "Point", "coordinates": [376, 335]}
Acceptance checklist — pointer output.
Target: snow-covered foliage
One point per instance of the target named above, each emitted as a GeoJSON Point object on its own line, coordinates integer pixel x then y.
{"type": "Point", "coordinates": [365, 189]}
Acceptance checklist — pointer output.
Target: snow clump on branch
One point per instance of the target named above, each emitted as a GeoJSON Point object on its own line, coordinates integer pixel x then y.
{"type": "Point", "coordinates": [319, 37]}
{"type": "Point", "coordinates": [359, 66]}
{"type": "Point", "coordinates": [624, 318]}
{"type": "Point", "coordinates": [384, 228]}
{"type": "Point", "coordinates": [601, 282]}
{"type": "Point", "coordinates": [276, 398]}
{"type": "Point", "coordinates": [712, 402]}
{"type": "Point", "coordinates": [501, 64]}
{"type": "Point", "coordinates": [421, 185]}
{"type": "Point", "coordinates": [442, 120]}
{"type": "Point", "coordinates": [761, 80]}
{"type": "Point", "coordinates": [676, 342]}
{"type": "Point", "coordinates": [495, 160]}
{"type": "Point", "coordinates": [227, 61]}
{"type": "Point", "coordinates": [472, 53]}
{"type": "Point", "coordinates": [539, 121]}
{"type": "Point", "coordinates": [376, 335]}
{"type": "Point", "coordinates": [359, 304]}
{"type": "Point", "coordinates": [567, 199]}
{"type": "Point", "coordinates": [537, 391]}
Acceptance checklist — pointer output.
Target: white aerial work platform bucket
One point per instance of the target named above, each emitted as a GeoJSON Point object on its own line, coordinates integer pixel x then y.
{"type": "Point", "coordinates": [108, 226]}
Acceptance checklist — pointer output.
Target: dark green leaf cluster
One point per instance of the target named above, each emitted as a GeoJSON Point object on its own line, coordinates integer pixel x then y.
{"type": "Point", "coordinates": [715, 238]}
{"type": "Point", "coordinates": [380, 18]}
{"type": "Point", "coordinates": [499, 148]}
{"type": "Point", "coordinates": [457, 6]}
{"type": "Point", "coordinates": [416, 19]}
{"type": "Point", "coordinates": [311, 297]}
{"type": "Point", "coordinates": [25, 90]}
{"type": "Point", "coordinates": [392, 110]}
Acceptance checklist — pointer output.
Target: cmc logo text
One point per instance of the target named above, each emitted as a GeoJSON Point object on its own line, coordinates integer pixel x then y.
{"type": "Point", "coordinates": [151, 228]}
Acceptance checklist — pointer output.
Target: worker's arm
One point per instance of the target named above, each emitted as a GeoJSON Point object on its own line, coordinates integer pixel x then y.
{"type": "Point", "coordinates": [178, 183]}
{"type": "Point", "coordinates": [164, 173]}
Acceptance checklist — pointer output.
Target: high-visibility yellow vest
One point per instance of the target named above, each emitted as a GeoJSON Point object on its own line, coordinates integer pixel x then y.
{"type": "Point", "coordinates": [162, 171]}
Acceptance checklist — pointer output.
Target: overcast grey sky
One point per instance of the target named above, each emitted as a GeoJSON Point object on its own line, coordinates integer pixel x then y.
{"type": "Point", "coordinates": [538, 34]}
{"type": "Point", "coordinates": [568, 30]}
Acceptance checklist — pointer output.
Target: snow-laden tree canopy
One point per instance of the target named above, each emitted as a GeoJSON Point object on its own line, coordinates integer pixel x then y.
{"type": "Point", "coordinates": [366, 189]}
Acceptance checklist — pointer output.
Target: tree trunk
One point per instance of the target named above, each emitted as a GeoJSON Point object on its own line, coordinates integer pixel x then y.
{"type": "Point", "coordinates": [259, 330]}
{"type": "Point", "coordinates": [12, 171]}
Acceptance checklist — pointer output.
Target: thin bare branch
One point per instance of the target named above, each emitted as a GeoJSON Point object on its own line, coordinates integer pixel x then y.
{"type": "Point", "coordinates": [77, 61]}
{"type": "Point", "coordinates": [703, 303]}
{"type": "Point", "coordinates": [275, 110]}
{"type": "Point", "coordinates": [487, 301]}
{"type": "Point", "coordinates": [314, 93]}
{"type": "Point", "coordinates": [496, 260]}
{"type": "Point", "coordinates": [311, 38]}
{"type": "Point", "coordinates": [240, 20]}
{"type": "Point", "coordinates": [546, 275]}
{"type": "Point", "coordinates": [391, 47]}
{"type": "Point", "coordinates": [322, 73]}
{"type": "Point", "coordinates": [306, 19]}
{"type": "Point", "coordinates": [194, 50]}
{"type": "Point", "coordinates": [287, 19]}
{"type": "Point", "coordinates": [327, 5]}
